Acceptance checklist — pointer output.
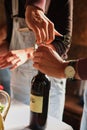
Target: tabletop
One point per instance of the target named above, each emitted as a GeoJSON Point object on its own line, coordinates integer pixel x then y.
{"type": "Point", "coordinates": [18, 119]}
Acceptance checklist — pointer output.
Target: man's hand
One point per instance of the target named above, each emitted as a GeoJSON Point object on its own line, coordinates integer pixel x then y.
{"type": "Point", "coordinates": [48, 61]}
{"type": "Point", "coordinates": [40, 24]}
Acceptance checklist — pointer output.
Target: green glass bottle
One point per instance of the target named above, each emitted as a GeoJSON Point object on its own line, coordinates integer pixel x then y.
{"type": "Point", "coordinates": [39, 101]}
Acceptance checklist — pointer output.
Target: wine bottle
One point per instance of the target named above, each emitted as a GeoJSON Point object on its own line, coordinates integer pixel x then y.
{"type": "Point", "coordinates": [39, 101]}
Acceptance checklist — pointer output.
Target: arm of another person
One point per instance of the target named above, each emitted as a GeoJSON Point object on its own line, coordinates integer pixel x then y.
{"type": "Point", "coordinates": [62, 24]}
{"type": "Point", "coordinates": [49, 62]}
{"type": "Point", "coordinates": [38, 22]}
{"type": "Point", "coordinates": [12, 58]}
{"type": "Point", "coordinates": [61, 14]}
{"type": "Point", "coordinates": [15, 58]}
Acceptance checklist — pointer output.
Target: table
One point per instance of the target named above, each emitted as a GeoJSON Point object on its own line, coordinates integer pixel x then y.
{"type": "Point", "coordinates": [18, 118]}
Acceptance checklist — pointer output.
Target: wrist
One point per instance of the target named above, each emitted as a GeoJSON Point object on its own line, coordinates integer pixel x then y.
{"type": "Point", "coordinates": [61, 69]}
{"type": "Point", "coordinates": [34, 7]}
{"type": "Point", "coordinates": [39, 4]}
{"type": "Point", "coordinates": [65, 64]}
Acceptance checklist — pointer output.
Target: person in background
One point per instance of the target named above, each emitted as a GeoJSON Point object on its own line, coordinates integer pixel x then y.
{"type": "Point", "coordinates": [5, 73]}
{"type": "Point", "coordinates": [61, 43]}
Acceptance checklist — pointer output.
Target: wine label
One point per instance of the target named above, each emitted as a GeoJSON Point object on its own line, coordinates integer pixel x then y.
{"type": "Point", "coordinates": [36, 103]}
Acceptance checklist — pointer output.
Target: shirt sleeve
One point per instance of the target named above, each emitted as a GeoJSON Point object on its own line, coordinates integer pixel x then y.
{"type": "Point", "coordinates": [38, 3]}
{"type": "Point", "coordinates": [61, 14]}
{"type": "Point", "coordinates": [82, 68]}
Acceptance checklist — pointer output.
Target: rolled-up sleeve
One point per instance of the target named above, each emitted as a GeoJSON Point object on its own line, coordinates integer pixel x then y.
{"type": "Point", "coordinates": [38, 3]}
{"type": "Point", "coordinates": [61, 14]}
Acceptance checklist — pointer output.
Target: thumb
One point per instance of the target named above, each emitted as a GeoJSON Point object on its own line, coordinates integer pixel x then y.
{"type": "Point", "coordinates": [57, 33]}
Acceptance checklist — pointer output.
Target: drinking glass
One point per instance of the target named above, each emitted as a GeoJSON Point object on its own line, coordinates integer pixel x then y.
{"type": "Point", "coordinates": [4, 103]}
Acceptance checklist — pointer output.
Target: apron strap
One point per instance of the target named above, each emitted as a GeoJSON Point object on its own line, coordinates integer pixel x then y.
{"type": "Point", "coordinates": [15, 8]}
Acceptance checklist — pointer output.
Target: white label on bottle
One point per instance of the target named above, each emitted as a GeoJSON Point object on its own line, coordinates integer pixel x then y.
{"type": "Point", "coordinates": [36, 103]}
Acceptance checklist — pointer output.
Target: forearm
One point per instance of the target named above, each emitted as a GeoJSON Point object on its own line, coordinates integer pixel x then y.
{"type": "Point", "coordinates": [63, 20]}
{"type": "Point", "coordinates": [37, 3]}
{"type": "Point", "coordinates": [62, 45]}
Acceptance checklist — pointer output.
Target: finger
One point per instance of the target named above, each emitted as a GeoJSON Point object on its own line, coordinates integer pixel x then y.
{"type": "Point", "coordinates": [8, 54]}
{"type": "Point", "coordinates": [3, 61]}
{"type": "Point", "coordinates": [38, 54]}
{"type": "Point", "coordinates": [57, 33]}
{"type": "Point", "coordinates": [13, 67]}
{"type": "Point", "coordinates": [37, 33]}
{"type": "Point", "coordinates": [37, 60]}
{"type": "Point", "coordinates": [16, 64]}
{"type": "Point", "coordinates": [7, 61]}
{"type": "Point", "coordinates": [15, 61]}
{"type": "Point", "coordinates": [33, 26]}
{"type": "Point", "coordinates": [42, 36]}
{"type": "Point", "coordinates": [5, 57]}
{"type": "Point", "coordinates": [11, 58]}
{"type": "Point", "coordinates": [42, 68]}
{"type": "Point", "coordinates": [45, 29]}
{"type": "Point", "coordinates": [5, 65]}
{"type": "Point", "coordinates": [37, 66]}
{"type": "Point", "coordinates": [50, 32]}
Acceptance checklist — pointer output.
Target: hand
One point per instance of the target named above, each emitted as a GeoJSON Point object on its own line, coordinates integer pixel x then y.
{"type": "Point", "coordinates": [48, 61]}
{"type": "Point", "coordinates": [40, 24]}
{"type": "Point", "coordinates": [15, 58]}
